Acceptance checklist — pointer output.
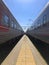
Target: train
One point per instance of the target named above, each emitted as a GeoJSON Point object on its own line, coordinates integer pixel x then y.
{"type": "Point", "coordinates": [40, 27]}
{"type": "Point", "coordinates": [9, 27]}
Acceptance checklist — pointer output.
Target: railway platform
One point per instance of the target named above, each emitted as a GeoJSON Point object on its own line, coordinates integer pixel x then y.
{"type": "Point", "coordinates": [24, 53]}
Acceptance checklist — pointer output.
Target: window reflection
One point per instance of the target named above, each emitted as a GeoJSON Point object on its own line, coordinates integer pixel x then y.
{"type": "Point", "coordinates": [12, 24]}
{"type": "Point", "coordinates": [44, 19]}
{"type": "Point", "coordinates": [6, 19]}
{"type": "Point", "coordinates": [15, 26]}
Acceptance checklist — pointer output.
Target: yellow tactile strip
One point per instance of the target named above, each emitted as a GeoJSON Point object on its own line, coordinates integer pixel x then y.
{"type": "Point", "coordinates": [25, 56]}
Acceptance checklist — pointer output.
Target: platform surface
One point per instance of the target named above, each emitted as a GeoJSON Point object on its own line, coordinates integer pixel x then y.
{"type": "Point", "coordinates": [25, 56]}
{"type": "Point", "coordinates": [24, 53]}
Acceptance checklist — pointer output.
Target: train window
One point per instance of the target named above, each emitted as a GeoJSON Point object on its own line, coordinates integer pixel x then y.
{"type": "Point", "coordinates": [15, 26]}
{"type": "Point", "coordinates": [44, 19]}
{"type": "Point", "coordinates": [39, 23]}
{"type": "Point", "coordinates": [12, 24]}
{"type": "Point", "coordinates": [36, 25]}
{"type": "Point", "coordinates": [5, 20]}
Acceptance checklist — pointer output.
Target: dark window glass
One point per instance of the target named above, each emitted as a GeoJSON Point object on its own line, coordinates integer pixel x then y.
{"type": "Point", "coordinates": [6, 19]}
{"type": "Point", "coordinates": [12, 24]}
{"type": "Point", "coordinates": [15, 26]}
{"type": "Point", "coordinates": [39, 23]}
{"type": "Point", "coordinates": [44, 19]}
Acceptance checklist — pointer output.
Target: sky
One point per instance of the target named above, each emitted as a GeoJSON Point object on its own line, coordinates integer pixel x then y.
{"type": "Point", "coordinates": [25, 11]}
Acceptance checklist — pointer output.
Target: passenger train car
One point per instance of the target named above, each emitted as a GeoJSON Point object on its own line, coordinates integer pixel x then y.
{"type": "Point", "coordinates": [9, 27]}
{"type": "Point", "coordinates": [40, 28]}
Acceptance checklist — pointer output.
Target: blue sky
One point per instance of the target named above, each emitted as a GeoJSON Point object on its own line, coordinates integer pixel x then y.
{"type": "Point", "coordinates": [25, 11]}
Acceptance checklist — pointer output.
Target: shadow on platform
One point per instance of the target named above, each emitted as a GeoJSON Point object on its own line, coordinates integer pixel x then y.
{"type": "Point", "coordinates": [42, 47]}
{"type": "Point", "coordinates": [5, 48]}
